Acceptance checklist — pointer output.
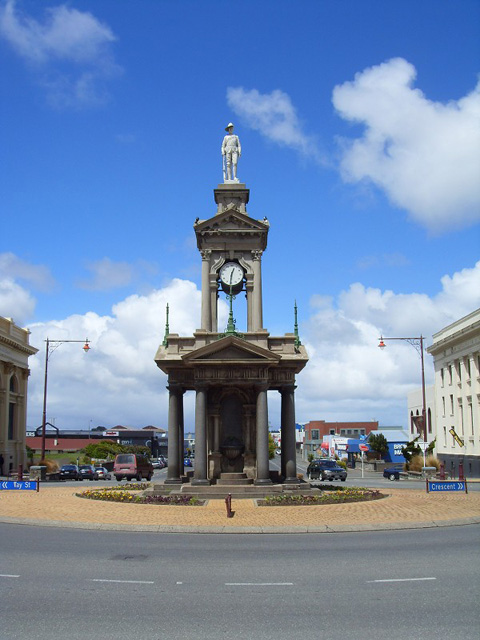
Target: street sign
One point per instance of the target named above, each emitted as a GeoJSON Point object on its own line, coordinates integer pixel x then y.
{"type": "Point", "coordinates": [446, 485]}
{"type": "Point", "coordinates": [12, 485]}
{"type": "Point", "coordinates": [456, 437]}
{"type": "Point", "coordinates": [363, 447]}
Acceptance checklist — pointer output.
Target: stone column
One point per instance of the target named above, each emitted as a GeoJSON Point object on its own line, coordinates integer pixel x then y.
{"type": "Point", "coordinates": [257, 312]}
{"type": "Point", "coordinates": [289, 454]}
{"type": "Point", "coordinates": [263, 472]}
{"type": "Point", "coordinates": [249, 294]}
{"type": "Point", "coordinates": [181, 436]}
{"type": "Point", "coordinates": [206, 303]}
{"type": "Point", "coordinates": [173, 471]}
{"type": "Point", "coordinates": [216, 432]}
{"type": "Point", "coordinates": [200, 473]}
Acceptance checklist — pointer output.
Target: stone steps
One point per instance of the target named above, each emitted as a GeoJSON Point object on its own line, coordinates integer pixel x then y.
{"type": "Point", "coordinates": [233, 479]}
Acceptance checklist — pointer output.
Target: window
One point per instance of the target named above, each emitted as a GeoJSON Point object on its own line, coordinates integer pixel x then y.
{"type": "Point", "coordinates": [332, 432]}
{"type": "Point", "coordinates": [315, 435]}
{"type": "Point", "coordinates": [451, 404]}
{"type": "Point", "coordinates": [468, 367]}
{"type": "Point", "coordinates": [13, 384]}
{"type": "Point", "coordinates": [458, 368]}
{"type": "Point", "coordinates": [445, 437]}
{"type": "Point", "coordinates": [450, 374]}
{"type": "Point", "coordinates": [11, 420]}
{"type": "Point", "coordinates": [442, 376]}
{"type": "Point", "coordinates": [443, 406]}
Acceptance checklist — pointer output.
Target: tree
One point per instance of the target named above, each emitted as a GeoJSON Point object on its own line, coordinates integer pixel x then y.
{"type": "Point", "coordinates": [272, 447]}
{"type": "Point", "coordinates": [411, 449]}
{"type": "Point", "coordinates": [378, 443]}
{"type": "Point", "coordinates": [104, 449]}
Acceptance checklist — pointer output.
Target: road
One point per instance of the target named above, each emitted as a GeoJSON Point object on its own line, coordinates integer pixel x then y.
{"type": "Point", "coordinates": [64, 583]}
{"type": "Point", "coordinates": [371, 479]}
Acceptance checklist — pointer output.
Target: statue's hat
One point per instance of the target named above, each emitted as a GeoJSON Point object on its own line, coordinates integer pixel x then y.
{"type": "Point", "coordinates": [230, 124]}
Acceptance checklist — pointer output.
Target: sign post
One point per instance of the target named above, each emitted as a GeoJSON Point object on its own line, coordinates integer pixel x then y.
{"type": "Point", "coordinates": [363, 448]}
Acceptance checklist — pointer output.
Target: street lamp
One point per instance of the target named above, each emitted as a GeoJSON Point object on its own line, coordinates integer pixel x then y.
{"type": "Point", "coordinates": [50, 346]}
{"type": "Point", "coordinates": [417, 343]}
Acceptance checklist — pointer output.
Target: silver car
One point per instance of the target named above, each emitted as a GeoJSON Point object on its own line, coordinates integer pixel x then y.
{"type": "Point", "coordinates": [103, 474]}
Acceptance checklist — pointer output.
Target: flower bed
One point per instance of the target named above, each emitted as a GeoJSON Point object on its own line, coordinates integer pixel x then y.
{"type": "Point", "coordinates": [340, 495]}
{"type": "Point", "coordinates": [124, 494]}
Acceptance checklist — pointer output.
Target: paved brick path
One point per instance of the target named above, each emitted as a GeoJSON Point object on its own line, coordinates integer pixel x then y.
{"type": "Point", "coordinates": [403, 508]}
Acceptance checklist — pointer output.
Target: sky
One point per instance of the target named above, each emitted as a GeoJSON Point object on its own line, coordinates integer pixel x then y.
{"type": "Point", "coordinates": [359, 122]}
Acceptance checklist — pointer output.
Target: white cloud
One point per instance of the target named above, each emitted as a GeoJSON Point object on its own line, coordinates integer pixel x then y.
{"type": "Point", "coordinates": [39, 276]}
{"type": "Point", "coordinates": [118, 380]}
{"type": "Point", "coordinates": [107, 274]}
{"type": "Point", "coordinates": [66, 36]}
{"type": "Point", "coordinates": [347, 378]}
{"type": "Point", "coordinates": [425, 155]}
{"type": "Point", "coordinates": [15, 301]}
{"type": "Point", "coordinates": [274, 116]}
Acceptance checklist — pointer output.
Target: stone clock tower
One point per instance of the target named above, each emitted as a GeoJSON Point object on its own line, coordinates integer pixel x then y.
{"type": "Point", "coordinates": [231, 372]}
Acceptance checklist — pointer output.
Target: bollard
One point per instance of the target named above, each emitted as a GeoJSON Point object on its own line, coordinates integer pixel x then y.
{"type": "Point", "coordinates": [20, 472]}
{"type": "Point", "coordinates": [442, 471]}
{"type": "Point", "coordinates": [460, 472]}
{"type": "Point", "coordinates": [228, 504]}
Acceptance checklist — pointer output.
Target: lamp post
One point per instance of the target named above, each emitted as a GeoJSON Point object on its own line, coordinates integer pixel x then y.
{"type": "Point", "coordinates": [50, 346]}
{"type": "Point", "coordinates": [417, 343]}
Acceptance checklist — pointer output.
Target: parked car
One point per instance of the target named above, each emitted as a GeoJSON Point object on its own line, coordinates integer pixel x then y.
{"type": "Point", "coordinates": [157, 463]}
{"type": "Point", "coordinates": [334, 473]}
{"type": "Point", "coordinates": [393, 473]}
{"type": "Point", "coordinates": [88, 472]}
{"type": "Point", "coordinates": [314, 469]}
{"type": "Point", "coordinates": [103, 474]}
{"type": "Point", "coordinates": [70, 472]}
{"type": "Point", "coordinates": [132, 465]}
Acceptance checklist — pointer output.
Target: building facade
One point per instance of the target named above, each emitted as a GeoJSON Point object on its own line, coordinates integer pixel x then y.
{"type": "Point", "coordinates": [315, 430]}
{"type": "Point", "coordinates": [456, 355]}
{"type": "Point", "coordinates": [15, 350]}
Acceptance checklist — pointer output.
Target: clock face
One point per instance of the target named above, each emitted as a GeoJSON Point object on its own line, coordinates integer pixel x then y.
{"type": "Point", "coordinates": [231, 274]}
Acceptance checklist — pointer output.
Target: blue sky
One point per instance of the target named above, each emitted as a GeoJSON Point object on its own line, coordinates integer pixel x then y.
{"type": "Point", "coordinates": [359, 123]}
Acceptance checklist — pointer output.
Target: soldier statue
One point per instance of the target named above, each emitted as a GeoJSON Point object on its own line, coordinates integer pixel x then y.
{"type": "Point", "coordinates": [231, 151]}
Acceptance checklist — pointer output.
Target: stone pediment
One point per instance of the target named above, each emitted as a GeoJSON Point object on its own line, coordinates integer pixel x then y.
{"type": "Point", "coordinates": [231, 349]}
{"type": "Point", "coordinates": [231, 220]}
{"type": "Point", "coordinates": [231, 226]}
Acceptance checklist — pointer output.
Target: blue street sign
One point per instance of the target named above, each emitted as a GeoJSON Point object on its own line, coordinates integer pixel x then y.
{"type": "Point", "coordinates": [9, 485]}
{"type": "Point", "coordinates": [446, 485]}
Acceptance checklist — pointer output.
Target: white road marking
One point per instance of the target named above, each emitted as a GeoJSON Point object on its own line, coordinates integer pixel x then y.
{"type": "Point", "coordinates": [8, 575]}
{"type": "Point", "coordinates": [123, 581]}
{"type": "Point", "coordinates": [401, 580]}
{"type": "Point", "coordinates": [259, 584]}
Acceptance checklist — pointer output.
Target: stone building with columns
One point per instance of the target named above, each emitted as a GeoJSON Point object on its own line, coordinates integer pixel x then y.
{"type": "Point", "coordinates": [456, 356]}
{"type": "Point", "coordinates": [231, 372]}
{"type": "Point", "coordinates": [14, 353]}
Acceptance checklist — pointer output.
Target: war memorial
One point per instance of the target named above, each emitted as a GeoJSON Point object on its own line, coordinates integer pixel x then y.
{"type": "Point", "coordinates": [231, 372]}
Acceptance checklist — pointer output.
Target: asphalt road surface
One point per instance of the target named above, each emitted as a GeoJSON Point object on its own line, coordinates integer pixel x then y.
{"type": "Point", "coordinates": [73, 584]}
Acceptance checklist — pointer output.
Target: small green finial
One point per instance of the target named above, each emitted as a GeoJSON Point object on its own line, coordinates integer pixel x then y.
{"type": "Point", "coordinates": [167, 330]}
{"type": "Point", "coordinates": [295, 329]}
